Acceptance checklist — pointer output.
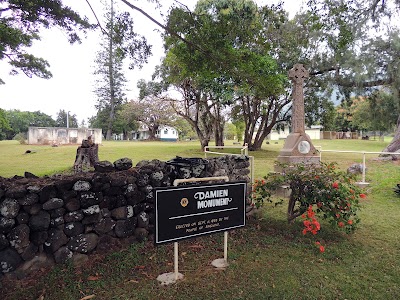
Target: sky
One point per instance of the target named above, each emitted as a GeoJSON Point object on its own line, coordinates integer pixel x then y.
{"type": "Point", "coordinates": [71, 87]}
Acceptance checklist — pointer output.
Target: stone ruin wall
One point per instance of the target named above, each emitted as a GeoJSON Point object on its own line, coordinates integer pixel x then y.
{"type": "Point", "coordinates": [63, 218]}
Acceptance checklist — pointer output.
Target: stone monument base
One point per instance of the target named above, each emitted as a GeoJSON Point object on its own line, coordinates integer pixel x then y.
{"type": "Point", "coordinates": [297, 149]}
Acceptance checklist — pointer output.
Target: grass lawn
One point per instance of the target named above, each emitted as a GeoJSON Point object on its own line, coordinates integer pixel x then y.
{"type": "Point", "coordinates": [269, 258]}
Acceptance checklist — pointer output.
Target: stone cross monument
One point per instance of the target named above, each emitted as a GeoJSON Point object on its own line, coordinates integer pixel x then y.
{"type": "Point", "coordinates": [298, 147]}
{"type": "Point", "coordinates": [298, 74]}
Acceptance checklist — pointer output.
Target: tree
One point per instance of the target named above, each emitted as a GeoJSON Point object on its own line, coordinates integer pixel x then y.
{"type": "Point", "coordinates": [363, 45]}
{"type": "Point", "coordinates": [19, 121]}
{"type": "Point", "coordinates": [384, 110]}
{"type": "Point", "coordinates": [185, 130]}
{"type": "Point", "coordinates": [361, 117]}
{"type": "Point", "coordinates": [61, 119]}
{"type": "Point", "coordinates": [100, 120]}
{"type": "Point", "coordinates": [151, 112]}
{"type": "Point", "coordinates": [225, 60]}
{"type": "Point", "coordinates": [326, 115]}
{"type": "Point", "coordinates": [126, 121]}
{"type": "Point", "coordinates": [376, 113]}
{"type": "Point", "coordinates": [4, 125]}
{"type": "Point", "coordinates": [119, 41]}
{"type": "Point", "coordinates": [20, 25]}
{"type": "Point", "coordinates": [230, 131]}
{"type": "Point", "coordinates": [332, 39]}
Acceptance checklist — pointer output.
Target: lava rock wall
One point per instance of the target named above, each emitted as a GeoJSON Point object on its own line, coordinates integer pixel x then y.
{"type": "Point", "coordinates": [63, 217]}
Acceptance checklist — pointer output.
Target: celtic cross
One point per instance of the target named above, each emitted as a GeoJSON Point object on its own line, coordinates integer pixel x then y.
{"type": "Point", "coordinates": [298, 74]}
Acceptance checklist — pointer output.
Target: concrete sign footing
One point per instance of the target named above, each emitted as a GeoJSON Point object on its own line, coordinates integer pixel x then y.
{"type": "Point", "coordinates": [169, 278]}
{"type": "Point", "coordinates": [220, 263]}
{"type": "Point", "coordinates": [362, 184]}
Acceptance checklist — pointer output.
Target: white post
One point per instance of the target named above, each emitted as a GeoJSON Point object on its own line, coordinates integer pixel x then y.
{"type": "Point", "coordinates": [67, 119]}
{"type": "Point", "coordinates": [176, 257]}
{"type": "Point", "coordinates": [226, 246]}
{"type": "Point", "coordinates": [363, 171]}
{"type": "Point", "coordinates": [252, 168]}
{"type": "Point", "coordinates": [320, 154]}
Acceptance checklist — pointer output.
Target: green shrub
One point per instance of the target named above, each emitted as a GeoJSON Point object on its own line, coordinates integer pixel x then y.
{"type": "Point", "coordinates": [21, 138]}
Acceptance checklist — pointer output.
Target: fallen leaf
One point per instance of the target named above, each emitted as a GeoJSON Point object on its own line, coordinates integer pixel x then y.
{"type": "Point", "coordinates": [93, 278]}
{"type": "Point", "coordinates": [41, 297]}
{"type": "Point", "coordinates": [88, 297]}
{"type": "Point", "coordinates": [133, 281]}
{"type": "Point", "coordinates": [145, 274]}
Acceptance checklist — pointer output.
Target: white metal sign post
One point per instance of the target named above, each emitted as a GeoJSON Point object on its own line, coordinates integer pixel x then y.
{"type": "Point", "coordinates": [190, 211]}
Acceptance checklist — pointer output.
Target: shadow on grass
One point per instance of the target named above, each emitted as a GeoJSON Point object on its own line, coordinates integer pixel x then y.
{"type": "Point", "coordinates": [268, 251]}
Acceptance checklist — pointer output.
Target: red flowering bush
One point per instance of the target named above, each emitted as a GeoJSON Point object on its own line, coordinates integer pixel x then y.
{"type": "Point", "coordinates": [315, 190]}
{"type": "Point", "coordinates": [310, 223]}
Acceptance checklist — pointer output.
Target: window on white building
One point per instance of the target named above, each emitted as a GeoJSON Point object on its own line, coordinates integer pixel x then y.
{"type": "Point", "coordinates": [165, 131]}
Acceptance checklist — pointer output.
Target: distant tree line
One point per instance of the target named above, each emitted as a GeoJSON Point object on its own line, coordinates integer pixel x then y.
{"type": "Point", "coordinates": [15, 122]}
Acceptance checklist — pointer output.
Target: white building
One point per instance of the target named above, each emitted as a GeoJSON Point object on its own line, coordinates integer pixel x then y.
{"type": "Point", "coordinates": [314, 133]}
{"type": "Point", "coordinates": [164, 133]}
{"type": "Point", "coordinates": [167, 133]}
{"type": "Point", "coordinates": [62, 135]}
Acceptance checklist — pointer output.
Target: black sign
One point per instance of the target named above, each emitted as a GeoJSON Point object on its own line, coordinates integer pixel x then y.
{"type": "Point", "coordinates": [189, 211]}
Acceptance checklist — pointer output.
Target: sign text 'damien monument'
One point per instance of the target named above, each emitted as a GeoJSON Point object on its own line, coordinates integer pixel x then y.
{"type": "Point", "coordinates": [188, 211]}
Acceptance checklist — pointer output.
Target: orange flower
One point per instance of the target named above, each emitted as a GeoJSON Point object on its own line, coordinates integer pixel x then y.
{"type": "Point", "coordinates": [310, 212]}
{"type": "Point", "coordinates": [321, 249]}
{"type": "Point", "coordinates": [316, 224]}
{"type": "Point", "coordinates": [335, 185]}
{"type": "Point", "coordinates": [350, 222]}
{"type": "Point", "coordinates": [363, 196]}
{"type": "Point", "coordinates": [304, 231]}
{"type": "Point", "coordinates": [341, 224]}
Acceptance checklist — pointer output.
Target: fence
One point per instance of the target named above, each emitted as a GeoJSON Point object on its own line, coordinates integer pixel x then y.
{"type": "Point", "coordinates": [364, 153]}
{"type": "Point", "coordinates": [244, 150]}
{"type": "Point", "coordinates": [333, 135]}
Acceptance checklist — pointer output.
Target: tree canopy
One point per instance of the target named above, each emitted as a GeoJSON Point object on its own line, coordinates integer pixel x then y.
{"type": "Point", "coordinates": [229, 59]}
{"type": "Point", "coordinates": [19, 121]}
{"type": "Point", "coordinates": [119, 42]}
{"type": "Point", "coordinates": [20, 24]}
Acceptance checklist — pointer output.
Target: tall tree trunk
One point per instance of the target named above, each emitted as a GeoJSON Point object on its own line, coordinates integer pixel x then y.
{"type": "Point", "coordinates": [111, 76]}
{"type": "Point", "coordinates": [394, 146]}
{"type": "Point", "coordinates": [152, 131]}
{"type": "Point", "coordinates": [219, 127]}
